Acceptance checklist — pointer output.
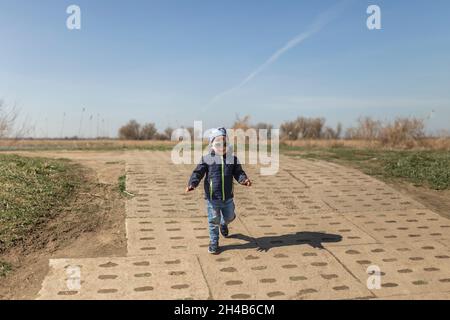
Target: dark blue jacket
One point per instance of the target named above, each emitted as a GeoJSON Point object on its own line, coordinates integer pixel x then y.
{"type": "Point", "coordinates": [219, 172]}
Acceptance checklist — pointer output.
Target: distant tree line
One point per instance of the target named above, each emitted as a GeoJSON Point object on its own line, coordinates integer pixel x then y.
{"type": "Point", "coordinates": [399, 131]}
{"type": "Point", "coordinates": [133, 130]}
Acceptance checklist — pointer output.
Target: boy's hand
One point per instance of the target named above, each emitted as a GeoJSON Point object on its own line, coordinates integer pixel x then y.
{"type": "Point", "coordinates": [189, 188]}
{"type": "Point", "coordinates": [247, 183]}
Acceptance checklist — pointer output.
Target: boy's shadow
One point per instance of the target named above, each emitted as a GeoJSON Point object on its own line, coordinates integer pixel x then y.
{"type": "Point", "coordinates": [313, 239]}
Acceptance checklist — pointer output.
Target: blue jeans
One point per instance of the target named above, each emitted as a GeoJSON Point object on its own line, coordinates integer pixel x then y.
{"type": "Point", "coordinates": [219, 213]}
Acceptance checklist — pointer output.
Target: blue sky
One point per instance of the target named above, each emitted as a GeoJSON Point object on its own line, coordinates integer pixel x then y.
{"type": "Point", "coordinates": [165, 61]}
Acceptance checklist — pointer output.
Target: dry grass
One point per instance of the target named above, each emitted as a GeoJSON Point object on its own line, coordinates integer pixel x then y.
{"type": "Point", "coordinates": [94, 144]}
{"type": "Point", "coordinates": [115, 144]}
{"type": "Point", "coordinates": [422, 144]}
{"type": "Point", "coordinates": [331, 143]}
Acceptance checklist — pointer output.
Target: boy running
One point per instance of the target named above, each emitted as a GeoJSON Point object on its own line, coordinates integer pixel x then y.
{"type": "Point", "coordinates": [219, 167]}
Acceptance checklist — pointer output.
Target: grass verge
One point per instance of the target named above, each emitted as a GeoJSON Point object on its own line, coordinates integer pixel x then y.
{"type": "Point", "coordinates": [122, 184]}
{"type": "Point", "coordinates": [5, 268]}
{"type": "Point", "coordinates": [31, 192]}
{"type": "Point", "coordinates": [429, 168]}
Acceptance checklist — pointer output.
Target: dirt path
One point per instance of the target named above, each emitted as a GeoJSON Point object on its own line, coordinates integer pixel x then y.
{"type": "Point", "coordinates": [309, 232]}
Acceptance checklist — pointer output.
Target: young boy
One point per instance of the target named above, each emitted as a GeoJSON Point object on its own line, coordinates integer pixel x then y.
{"type": "Point", "coordinates": [219, 167]}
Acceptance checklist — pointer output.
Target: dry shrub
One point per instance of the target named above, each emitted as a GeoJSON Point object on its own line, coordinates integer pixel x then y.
{"type": "Point", "coordinates": [366, 129]}
{"type": "Point", "coordinates": [309, 128]}
{"type": "Point", "coordinates": [242, 123]}
{"type": "Point", "coordinates": [264, 126]}
{"type": "Point", "coordinates": [402, 132]}
{"type": "Point", "coordinates": [442, 143]}
{"type": "Point", "coordinates": [245, 124]}
{"type": "Point", "coordinates": [406, 132]}
{"type": "Point", "coordinates": [130, 131]}
{"type": "Point", "coordinates": [330, 133]}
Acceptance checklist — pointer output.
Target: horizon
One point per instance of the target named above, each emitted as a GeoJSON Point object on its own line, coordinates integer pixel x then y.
{"type": "Point", "coordinates": [172, 63]}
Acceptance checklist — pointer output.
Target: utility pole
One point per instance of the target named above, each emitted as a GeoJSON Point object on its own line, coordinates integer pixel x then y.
{"type": "Point", "coordinates": [98, 124]}
{"type": "Point", "coordinates": [62, 126]}
{"type": "Point", "coordinates": [81, 122]}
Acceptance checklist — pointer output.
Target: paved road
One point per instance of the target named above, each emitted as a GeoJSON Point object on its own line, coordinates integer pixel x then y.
{"type": "Point", "coordinates": [316, 230]}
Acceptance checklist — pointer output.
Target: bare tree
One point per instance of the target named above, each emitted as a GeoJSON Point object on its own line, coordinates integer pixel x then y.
{"type": "Point", "coordinates": [8, 117]}
{"type": "Point", "coordinates": [168, 132]}
{"type": "Point", "coordinates": [289, 130]}
{"type": "Point", "coordinates": [366, 129]}
{"type": "Point", "coordinates": [330, 133]}
{"type": "Point", "coordinates": [403, 131]}
{"type": "Point", "coordinates": [264, 126]}
{"type": "Point", "coordinates": [242, 123]}
{"type": "Point", "coordinates": [130, 131]}
{"type": "Point", "coordinates": [308, 128]}
{"type": "Point", "coordinates": [148, 132]}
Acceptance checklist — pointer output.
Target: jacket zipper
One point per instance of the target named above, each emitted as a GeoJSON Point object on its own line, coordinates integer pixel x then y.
{"type": "Point", "coordinates": [210, 188]}
{"type": "Point", "coordinates": [223, 183]}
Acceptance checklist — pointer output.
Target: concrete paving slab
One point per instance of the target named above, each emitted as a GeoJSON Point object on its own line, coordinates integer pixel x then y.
{"type": "Point", "coordinates": [318, 230]}
{"type": "Point", "coordinates": [320, 173]}
{"type": "Point", "coordinates": [402, 225]}
{"type": "Point", "coordinates": [365, 198]}
{"type": "Point", "coordinates": [177, 236]}
{"type": "Point", "coordinates": [406, 267]}
{"type": "Point", "coordinates": [150, 277]}
{"type": "Point", "coordinates": [288, 273]}
{"type": "Point", "coordinates": [308, 232]}
{"type": "Point", "coordinates": [278, 200]}
{"type": "Point", "coordinates": [270, 206]}
{"type": "Point", "coordinates": [445, 242]}
{"type": "Point", "coordinates": [423, 296]}
{"type": "Point", "coordinates": [162, 204]}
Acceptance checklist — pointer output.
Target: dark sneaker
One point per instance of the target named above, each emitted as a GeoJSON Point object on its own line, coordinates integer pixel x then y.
{"type": "Point", "coordinates": [213, 248]}
{"type": "Point", "coordinates": [224, 230]}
